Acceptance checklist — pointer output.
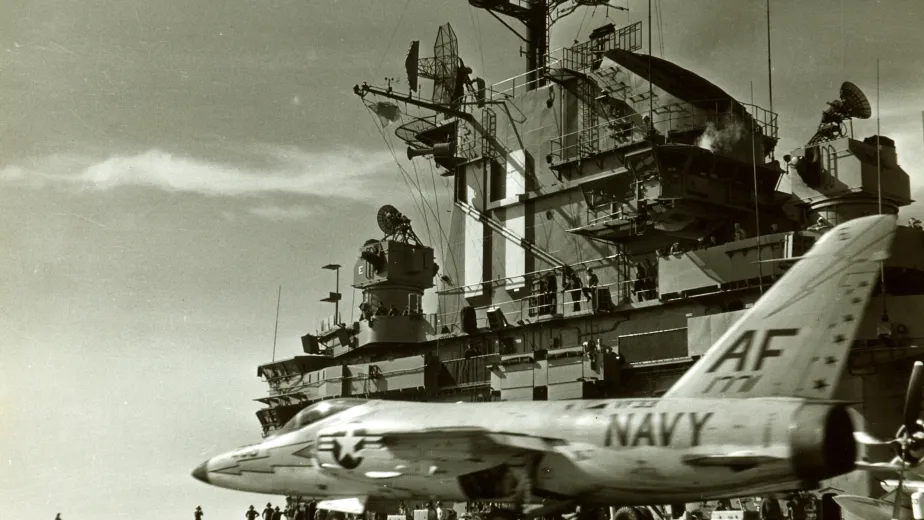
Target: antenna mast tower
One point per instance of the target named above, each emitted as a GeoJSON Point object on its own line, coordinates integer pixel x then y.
{"type": "Point", "coordinates": [538, 16]}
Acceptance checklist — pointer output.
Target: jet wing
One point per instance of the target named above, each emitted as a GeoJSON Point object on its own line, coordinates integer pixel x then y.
{"type": "Point", "coordinates": [465, 443]}
{"type": "Point", "coordinates": [737, 461]}
{"type": "Point", "coordinates": [908, 486]}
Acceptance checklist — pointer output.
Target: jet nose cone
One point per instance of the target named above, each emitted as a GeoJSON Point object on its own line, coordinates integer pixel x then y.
{"type": "Point", "coordinates": [201, 473]}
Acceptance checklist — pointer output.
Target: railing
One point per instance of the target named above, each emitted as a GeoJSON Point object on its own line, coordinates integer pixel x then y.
{"type": "Point", "coordinates": [581, 56]}
{"type": "Point", "coordinates": [507, 88]}
{"type": "Point", "coordinates": [465, 372]}
{"type": "Point", "coordinates": [520, 308]}
{"type": "Point", "coordinates": [626, 130]}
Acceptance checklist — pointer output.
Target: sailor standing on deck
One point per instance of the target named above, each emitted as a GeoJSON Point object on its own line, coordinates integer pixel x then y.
{"type": "Point", "coordinates": [301, 510]}
{"type": "Point", "coordinates": [739, 232]}
{"type": "Point", "coordinates": [591, 290]}
{"type": "Point", "coordinates": [198, 514]}
{"type": "Point", "coordinates": [251, 513]}
{"type": "Point", "coordinates": [884, 330]}
{"type": "Point", "coordinates": [268, 512]}
{"type": "Point", "coordinates": [551, 285]}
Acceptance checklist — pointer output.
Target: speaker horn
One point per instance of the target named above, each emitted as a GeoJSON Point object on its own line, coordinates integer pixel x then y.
{"type": "Point", "coordinates": [438, 150]}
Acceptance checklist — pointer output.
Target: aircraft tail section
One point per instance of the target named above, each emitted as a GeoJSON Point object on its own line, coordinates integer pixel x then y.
{"type": "Point", "coordinates": [795, 340]}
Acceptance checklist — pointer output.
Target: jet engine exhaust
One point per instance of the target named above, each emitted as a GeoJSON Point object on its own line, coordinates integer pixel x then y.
{"type": "Point", "coordinates": [822, 442]}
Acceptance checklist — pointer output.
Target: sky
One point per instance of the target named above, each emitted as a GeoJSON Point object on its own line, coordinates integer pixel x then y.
{"type": "Point", "coordinates": [166, 166]}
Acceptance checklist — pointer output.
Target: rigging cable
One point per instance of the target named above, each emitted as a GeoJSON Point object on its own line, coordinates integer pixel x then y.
{"type": "Point", "coordinates": [406, 177]}
{"type": "Point", "coordinates": [583, 19]}
{"type": "Point", "coordinates": [404, 172]}
{"type": "Point", "coordinates": [476, 25]}
{"type": "Point", "coordinates": [439, 219]}
{"type": "Point", "coordinates": [660, 26]}
{"type": "Point", "coordinates": [276, 326]}
{"type": "Point", "coordinates": [392, 39]}
{"type": "Point", "coordinates": [424, 216]}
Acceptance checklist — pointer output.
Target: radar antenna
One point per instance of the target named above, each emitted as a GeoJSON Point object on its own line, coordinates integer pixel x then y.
{"type": "Point", "coordinates": [445, 68]}
{"type": "Point", "coordinates": [395, 225]}
{"type": "Point", "coordinates": [852, 104]}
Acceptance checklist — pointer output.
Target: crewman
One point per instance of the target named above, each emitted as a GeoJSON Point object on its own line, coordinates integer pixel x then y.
{"type": "Point", "coordinates": [380, 310]}
{"type": "Point", "coordinates": [58, 516]}
{"type": "Point", "coordinates": [268, 512]}
{"type": "Point", "coordinates": [770, 509]}
{"type": "Point", "coordinates": [365, 311]}
{"type": "Point", "coordinates": [571, 284]}
{"type": "Point", "coordinates": [739, 232]}
{"type": "Point", "coordinates": [393, 311]}
{"type": "Point", "coordinates": [312, 509]}
{"type": "Point", "coordinates": [251, 513]}
{"type": "Point", "coordinates": [638, 286]}
{"type": "Point", "coordinates": [884, 329]}
{"type": "Point", "coordinates": [198, 514]}
{"type": "Point", "coordinates": [651, 278]}
{"type": "Point", "coordinates": [277, 514]}
{"type": "Point", "coordinates": [543, 296]}
{"type": "Point", "coordinates": [551, 284]}
{"type": "Point", "coordinates": [591, 290]}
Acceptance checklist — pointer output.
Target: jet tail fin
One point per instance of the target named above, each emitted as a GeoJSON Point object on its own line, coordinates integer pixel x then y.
{"type": "Point", "coordinates": [795, 340]}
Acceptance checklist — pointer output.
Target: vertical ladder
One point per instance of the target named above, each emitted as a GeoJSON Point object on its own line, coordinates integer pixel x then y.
{"type": "Point", "coordinates": [489, 129]}
{"type": "Point", "coordinates": [589, 141]}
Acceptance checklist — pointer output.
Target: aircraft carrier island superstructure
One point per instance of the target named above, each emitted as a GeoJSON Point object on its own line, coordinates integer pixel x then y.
{"type": "Point", "coordinates": [613, 214]}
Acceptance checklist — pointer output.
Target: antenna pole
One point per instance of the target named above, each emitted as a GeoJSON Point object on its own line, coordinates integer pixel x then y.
{"type": "Point", "coordinates": [769, 64]}
{"type": "Point", "coordinates": [650, 83]}
{"type": "Point", "coordinates": [878, 160]}
{"type": "Point", "coordinates": [276, 326]}
{"type": "Point", "coordinates": [879, 191]}
{"type": "Point", "coordinates": [760, 270]}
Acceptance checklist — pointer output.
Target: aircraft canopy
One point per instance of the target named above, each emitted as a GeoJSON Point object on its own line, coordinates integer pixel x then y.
{"type": "Point", "coordinates": [316, 412]}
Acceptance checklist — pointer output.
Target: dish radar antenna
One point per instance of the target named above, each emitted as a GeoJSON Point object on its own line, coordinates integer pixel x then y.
{"type": "Point", "coordinates": [395, 225]}
{"type": "Point", "coordinates": [851, 105]}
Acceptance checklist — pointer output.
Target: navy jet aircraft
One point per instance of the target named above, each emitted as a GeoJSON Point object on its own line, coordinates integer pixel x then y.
{"type": "Point", "coordinates": [755, 415]}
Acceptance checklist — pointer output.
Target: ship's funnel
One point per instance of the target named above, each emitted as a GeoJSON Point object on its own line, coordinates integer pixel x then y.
{"type": "Point", "coordinates": [438, 150]}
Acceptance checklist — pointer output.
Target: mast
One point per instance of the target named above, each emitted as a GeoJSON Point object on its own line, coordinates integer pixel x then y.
{"type": "Point", "coordinates": [769, 61]}
{"type": "Point", "coordinates": [537, 45]}
{"type": "Point", "coordinates": [650, 81]}
{"type": "Point", "coordinates": [276, 326]}
{"type": "Point", "coordinates": [534, 17]}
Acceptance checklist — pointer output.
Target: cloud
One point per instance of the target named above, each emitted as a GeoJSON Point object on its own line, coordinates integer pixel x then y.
{"type": "Point", "coordinates": [346, 173]}
{"type": "Point", "coordinates": [284, 212]}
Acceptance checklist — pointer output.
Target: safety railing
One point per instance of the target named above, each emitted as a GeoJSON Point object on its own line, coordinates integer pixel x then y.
{"type": "Point", "coordinates": [581, 55]}
{"type": "Point", "coordinates": [523, 308]}
{"type": "Point", "coordinates": [626, 130]}
{"type": "Point", "coordinates": [465, 372]}
{"type": "Point", "coordinates": [508, 88]}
